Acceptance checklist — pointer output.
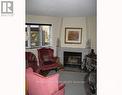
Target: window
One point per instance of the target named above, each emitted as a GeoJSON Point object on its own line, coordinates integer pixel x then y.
{"type": "Point", "coordinates": [37, 35]}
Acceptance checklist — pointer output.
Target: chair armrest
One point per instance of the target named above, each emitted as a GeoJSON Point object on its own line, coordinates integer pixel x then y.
{"type": "Point", "coordinates": [61, 90]}
{"type": "Point", "coordinates": [56, 59]}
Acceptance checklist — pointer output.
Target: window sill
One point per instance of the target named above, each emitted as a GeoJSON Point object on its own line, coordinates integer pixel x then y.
{"type": "Point", "coordinates": [38, 47]}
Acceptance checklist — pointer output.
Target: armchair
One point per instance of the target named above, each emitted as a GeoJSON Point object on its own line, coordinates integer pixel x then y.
{"type": "Point", "coordinates": [47, 61]}
{"type": "Point", "coordinates": [40, 85]}
{"type": "Point", "coordinates": [31, 61]}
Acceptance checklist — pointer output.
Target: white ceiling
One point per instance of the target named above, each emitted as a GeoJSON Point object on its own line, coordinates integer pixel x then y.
{"type": "Point", "coordinates": [61, 7]}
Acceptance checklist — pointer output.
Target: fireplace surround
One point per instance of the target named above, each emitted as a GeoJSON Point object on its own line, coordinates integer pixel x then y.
{"type": "Point", "coordinates": [61, 51]}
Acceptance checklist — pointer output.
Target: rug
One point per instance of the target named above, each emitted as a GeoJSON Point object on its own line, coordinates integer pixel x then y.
{"type": "Point", "coordinates": [72, 69]}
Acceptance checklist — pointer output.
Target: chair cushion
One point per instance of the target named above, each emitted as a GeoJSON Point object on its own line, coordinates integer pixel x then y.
{"type": "Point", "coordinates": [40, 85]}
{"type": "Point", "coordinates": [48, 62]}
{"type": "Point", "coordinates": [52, 66]}
{"type": "Point", "coordinates": [46, 58]}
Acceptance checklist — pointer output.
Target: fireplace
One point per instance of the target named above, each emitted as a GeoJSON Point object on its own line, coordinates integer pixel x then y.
{"type": "Point", "coordinates": [73, 59]}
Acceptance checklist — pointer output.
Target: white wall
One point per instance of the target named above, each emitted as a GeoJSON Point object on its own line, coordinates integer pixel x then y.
{"type": "Point", "coordinates": [92, 31]}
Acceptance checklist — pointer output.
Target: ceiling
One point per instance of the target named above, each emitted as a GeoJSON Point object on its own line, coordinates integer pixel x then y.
{"type": "Point", "coordinates": [64, 8]}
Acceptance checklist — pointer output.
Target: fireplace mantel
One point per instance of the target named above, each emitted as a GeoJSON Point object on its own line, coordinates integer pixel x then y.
{"type": "Point", "coordinates": [61, 50]}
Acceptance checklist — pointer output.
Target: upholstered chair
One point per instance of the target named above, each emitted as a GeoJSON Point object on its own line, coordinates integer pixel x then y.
{"type": "Point", "coordinates": [40, 85]}
{"type": "Point", "coordinates": [31, 61]}
{"type": "Point", "coordinates": [47, 61]}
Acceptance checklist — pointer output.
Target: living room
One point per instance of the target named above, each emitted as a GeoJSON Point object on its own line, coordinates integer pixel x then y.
{"type": "Point", "coordinates": [62, 22]}
{"type": "Point", "coordinates": [109, 48]}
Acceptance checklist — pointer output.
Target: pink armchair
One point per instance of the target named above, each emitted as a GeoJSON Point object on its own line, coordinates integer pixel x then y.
{"type": "Point", "coordinates": [40, 85]}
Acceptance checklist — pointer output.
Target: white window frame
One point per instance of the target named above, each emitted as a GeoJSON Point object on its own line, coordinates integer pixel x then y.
{"type": "Point", "coordinates": [41, 34]}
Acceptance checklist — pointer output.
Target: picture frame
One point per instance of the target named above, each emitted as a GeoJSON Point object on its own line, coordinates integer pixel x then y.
{"type": "Point", "coordinates": [73, 35]}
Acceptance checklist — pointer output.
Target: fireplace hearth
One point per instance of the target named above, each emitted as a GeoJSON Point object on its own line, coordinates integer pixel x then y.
{"type": "Point", "coordinates": [72, 59]}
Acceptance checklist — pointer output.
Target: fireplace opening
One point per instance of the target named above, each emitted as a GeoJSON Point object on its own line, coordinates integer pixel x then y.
{"type": "Point", "coordinates": [72, 59]}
